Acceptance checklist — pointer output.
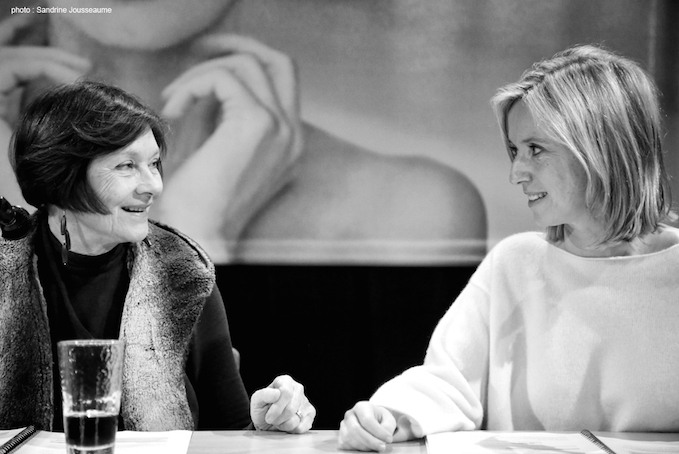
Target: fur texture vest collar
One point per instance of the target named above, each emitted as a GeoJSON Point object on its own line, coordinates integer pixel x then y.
{"type": "Point", "coordinates": [170, 278]}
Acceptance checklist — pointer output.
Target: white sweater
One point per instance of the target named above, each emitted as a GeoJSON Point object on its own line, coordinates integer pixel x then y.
{"type": "Point", "coordinates": [541, 339]}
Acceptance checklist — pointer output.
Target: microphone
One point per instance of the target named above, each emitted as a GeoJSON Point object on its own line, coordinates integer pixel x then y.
{"type": "Point", "coordinates": [14, 220]}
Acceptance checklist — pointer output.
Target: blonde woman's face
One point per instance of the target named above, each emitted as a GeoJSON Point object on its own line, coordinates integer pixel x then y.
{"type": "Point", "coordinates": [144, 24]}
{"type": "Point", "coordinates": [552, 179]}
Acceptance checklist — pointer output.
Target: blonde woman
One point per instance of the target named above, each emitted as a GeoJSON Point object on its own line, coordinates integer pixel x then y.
{"type": "Point", "coordinates": [575, 326]}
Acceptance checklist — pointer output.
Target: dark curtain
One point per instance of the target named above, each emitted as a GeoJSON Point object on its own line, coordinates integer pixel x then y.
{"type": "Point", "coordinates": [339, 330]}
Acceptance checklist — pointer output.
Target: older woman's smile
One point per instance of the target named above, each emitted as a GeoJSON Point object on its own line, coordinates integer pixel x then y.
{"type": "Point", "coordinates": [137, 209]}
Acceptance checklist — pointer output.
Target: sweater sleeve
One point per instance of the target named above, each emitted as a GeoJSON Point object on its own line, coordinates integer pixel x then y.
{"type": "Point", "coordinates": [215, 386]}
{"type": "Point", "coordinates": [447, 392]}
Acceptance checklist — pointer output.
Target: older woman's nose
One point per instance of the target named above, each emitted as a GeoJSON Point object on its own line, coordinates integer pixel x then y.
{"type": "Point", "coordinates": [150, 182]}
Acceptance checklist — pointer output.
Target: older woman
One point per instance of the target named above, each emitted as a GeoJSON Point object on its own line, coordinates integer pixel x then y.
{"type": "Point", "coordinates": [93, 266]}
{"type": "Point", "coordinates": [577, 327]}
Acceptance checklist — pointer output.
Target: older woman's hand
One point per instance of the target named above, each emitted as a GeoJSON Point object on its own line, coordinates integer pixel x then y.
{"type": "Point", "coordinates": [19, 66]}
{"type": "Point", "coordinates": [366, 427]}
{"type": "Point", "coordinates": [282, 406]}
{"type": "Point", "coordinates": [255, 144]}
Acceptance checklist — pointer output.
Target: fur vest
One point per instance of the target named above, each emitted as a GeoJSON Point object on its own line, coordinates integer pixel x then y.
{"type": "Point", "coordinates": [170, 278]}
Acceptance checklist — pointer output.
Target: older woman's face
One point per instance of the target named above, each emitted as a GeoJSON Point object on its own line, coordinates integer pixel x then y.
{"type": "Point", "coordinates": [144, 24]}
{"type": "Point", "coordinates": [552, 178]}
{"type": "Point", "coordinates": [127, 182]}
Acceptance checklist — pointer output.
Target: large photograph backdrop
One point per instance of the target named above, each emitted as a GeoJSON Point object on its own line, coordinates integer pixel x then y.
{"type": "Point", "coordinates": [339, 276]}
{"type": "Point", "coordinates": [403, 162]}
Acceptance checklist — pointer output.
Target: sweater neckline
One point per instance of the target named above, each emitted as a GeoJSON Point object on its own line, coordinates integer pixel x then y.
{"type": "Point", "coordinates": [551, 246]}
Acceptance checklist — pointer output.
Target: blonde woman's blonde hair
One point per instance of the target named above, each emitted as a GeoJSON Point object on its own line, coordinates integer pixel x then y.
{"type": "Point", "coordinates": [604, 108]}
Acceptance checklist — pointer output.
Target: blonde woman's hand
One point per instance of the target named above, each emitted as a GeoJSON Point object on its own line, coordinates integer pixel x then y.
{"type": "Point", "coordinates": [366, 427]}
{"type": "Point", "coordinates": [282, 406]}
{"type": "Point", "coordinates": [252, 152]}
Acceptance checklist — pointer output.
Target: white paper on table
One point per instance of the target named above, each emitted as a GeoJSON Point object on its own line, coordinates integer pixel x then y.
{"type": "Point", "coordinates": [487, 442]}
{"type": "Point", "coordinates": [5, 435]}
{"type": "Point", "coordinates": [127, 442]}
{"type": "Point", "coordinates": [640, 447]}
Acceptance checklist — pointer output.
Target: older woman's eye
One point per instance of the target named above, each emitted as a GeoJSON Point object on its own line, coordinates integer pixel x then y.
{"type": "Point", "coordinates": [155, 164]}
{"type": "Point", "coordinates": [125, 166]}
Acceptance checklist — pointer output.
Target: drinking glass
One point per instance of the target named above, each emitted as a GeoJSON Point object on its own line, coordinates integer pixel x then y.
{"type": "Point", "coordinates": [91, 380]}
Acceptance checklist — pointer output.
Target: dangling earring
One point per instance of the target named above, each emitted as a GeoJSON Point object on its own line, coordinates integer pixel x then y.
{"type": "Point", "coordinates": [66, 245]}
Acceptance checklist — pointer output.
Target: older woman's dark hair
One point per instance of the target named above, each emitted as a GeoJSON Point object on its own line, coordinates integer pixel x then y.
{"type": "Point", "coordinates": [64, 129]}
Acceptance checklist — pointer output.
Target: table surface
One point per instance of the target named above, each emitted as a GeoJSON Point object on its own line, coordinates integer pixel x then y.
{"type": "Point", "coordinates": [312, 442]}
{"type": "Point", "coordinates": [325, 441]}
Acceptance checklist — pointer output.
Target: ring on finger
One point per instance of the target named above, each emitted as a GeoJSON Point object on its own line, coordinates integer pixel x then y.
{"type": "Point", "coordinates": [299, 415]}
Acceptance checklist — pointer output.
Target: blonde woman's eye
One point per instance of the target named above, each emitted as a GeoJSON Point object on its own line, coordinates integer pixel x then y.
{"type": "Point", "coordinates": [534, 149]}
